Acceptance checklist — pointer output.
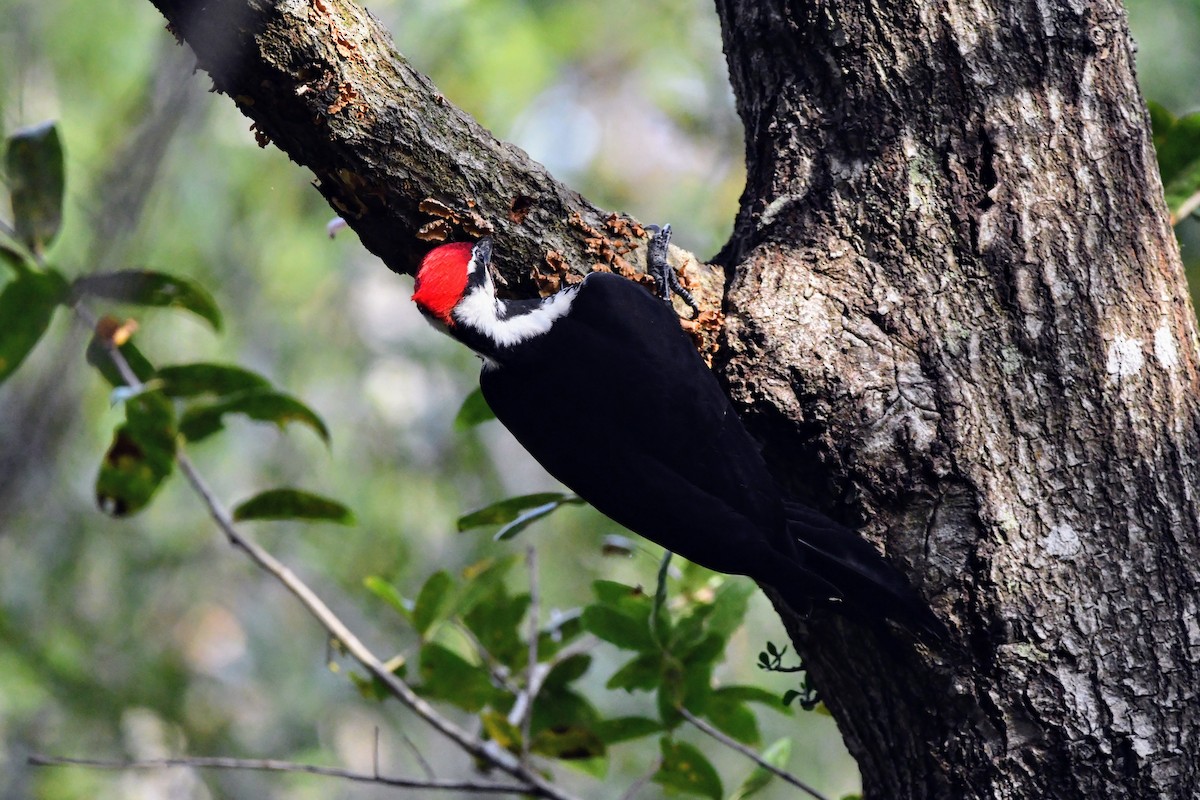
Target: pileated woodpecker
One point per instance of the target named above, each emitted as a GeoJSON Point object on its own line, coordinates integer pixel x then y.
{"type": "Point", "coordinates": [604, 388]}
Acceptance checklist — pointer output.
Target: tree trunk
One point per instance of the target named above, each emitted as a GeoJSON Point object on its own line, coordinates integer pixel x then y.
{"type": "Point", "coordinates": [956, 314]}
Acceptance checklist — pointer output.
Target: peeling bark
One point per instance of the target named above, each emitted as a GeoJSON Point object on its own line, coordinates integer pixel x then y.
{"type": "Point", "coordinates": [957, 314]}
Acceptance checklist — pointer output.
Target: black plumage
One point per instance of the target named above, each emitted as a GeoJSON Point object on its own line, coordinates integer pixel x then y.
{"type": "Point", "coordinates": [615, 402]}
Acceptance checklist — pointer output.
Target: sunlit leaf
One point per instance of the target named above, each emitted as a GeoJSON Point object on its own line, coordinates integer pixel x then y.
{"type": "Point", "coordinates": [264, 405]}
{"type": "Point", "coordinates": [140, 458]}
{"type": "Point", "coordinates": [388, 594]}
{"type": "Point", "coordinates": [34, 164]}
{"type": "Point", "coordinates": [751, 694]}
{"type": "Point", "coordinates": [473, 411]}
{"type": "Point", "coordinates": [148, 288]}
{"type": "Point", "coordinates": [282, 504]}
{"type": "Point", "coordinates": [434, 602]}
{"type": "Point", "coordinates": [27, 304]}
{"type": "Point", "coordinates": [14, 258]}
{"type": "Point", "coordinates": [189, 380]}
{"type": "Point", "coordinates": [500, 730]}
{"type": "Point", "coordinates": [777, 755]}
{"type": "Point", "coordinates": [685, 769]}
{"type": "Point", "coordinates": [516, 513]}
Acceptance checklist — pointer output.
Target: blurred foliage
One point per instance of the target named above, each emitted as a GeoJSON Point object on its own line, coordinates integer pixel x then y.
{"type": "Point", "coordinates": [145, 636]}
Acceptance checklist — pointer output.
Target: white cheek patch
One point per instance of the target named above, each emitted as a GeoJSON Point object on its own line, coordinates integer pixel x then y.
{"type": "Point", "coordinates": [481, 311]}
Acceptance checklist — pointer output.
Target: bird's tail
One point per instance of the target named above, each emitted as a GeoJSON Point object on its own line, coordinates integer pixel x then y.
{"type": "Point", "coordinates": [866, 586]}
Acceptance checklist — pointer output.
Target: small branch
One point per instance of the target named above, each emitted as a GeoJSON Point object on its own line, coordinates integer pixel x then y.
{"type": "Point", "coordinates": [637, 785]}
{"type": "Point", "coordinates": [268, 765]}
{"type": "Point", "coordinates": [503, 760]}
{"type": "Point", "coordinates": [733, 744]}
{"type": "Point", "coordinates": [412, 747]}
{"type": "Point", "coordinates": [1186, 208]}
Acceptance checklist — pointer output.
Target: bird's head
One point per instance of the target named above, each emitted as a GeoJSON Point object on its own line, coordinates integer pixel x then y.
{"type": "Point", "coordinates": [448, 274]}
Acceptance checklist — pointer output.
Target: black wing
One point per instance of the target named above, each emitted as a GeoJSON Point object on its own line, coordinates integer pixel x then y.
{"type": "Point", "coordinates": [615, 402]}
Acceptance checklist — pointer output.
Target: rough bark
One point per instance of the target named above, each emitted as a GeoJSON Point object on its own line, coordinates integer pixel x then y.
{"type": "Point", "coordinates": [957, 314]}
{"type": "Point", "coordinates": [400, 163]}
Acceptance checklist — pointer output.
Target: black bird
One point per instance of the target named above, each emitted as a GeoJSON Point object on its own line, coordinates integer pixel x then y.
{"type": "Point", "coordinates": [602, 386]}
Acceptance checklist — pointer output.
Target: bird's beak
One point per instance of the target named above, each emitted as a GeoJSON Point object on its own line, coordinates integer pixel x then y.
{"type": "Point", "coordinates": [483, 259]}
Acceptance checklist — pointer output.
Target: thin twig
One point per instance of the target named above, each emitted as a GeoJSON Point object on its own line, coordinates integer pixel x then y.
{"type": "Point", "coordinates": [503, 760]}
{"type": "Point", "coordinates": [733, 744]}
{"type": "Point", "coordinates": [1186, 208]}
{"type": "Point", "coordinates": [412, 746]}
{"type": "Point", "coordinates": [268, 765]}
{"type": "Point", "coordinates": [637, 785]}
{"type": "Point", "coordinates": [531, 668]}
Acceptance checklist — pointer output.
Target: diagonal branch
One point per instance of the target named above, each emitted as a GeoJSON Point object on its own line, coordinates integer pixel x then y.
{"type": "Point", "coordinates": [486, 752]}
{"type": "Point", "coordinates": [401, 164]}
{"type": "Point", "coordinates": [733, 744]}
{"type": "Point", "coordinates": [270, 765]}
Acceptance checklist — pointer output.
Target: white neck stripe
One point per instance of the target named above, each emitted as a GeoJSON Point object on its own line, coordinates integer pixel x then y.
{"type": "Point", "coordinates": [480, 310]}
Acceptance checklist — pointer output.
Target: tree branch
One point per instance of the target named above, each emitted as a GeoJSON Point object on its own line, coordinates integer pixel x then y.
{"type": "Point", "coordinates": [733, 744]}
{"type": "Point", "coordinates": [270, 765]}
{"type": "Point", "coordinates": [400, 163]}
{"type": "Point", "coordinates": [485, 751]}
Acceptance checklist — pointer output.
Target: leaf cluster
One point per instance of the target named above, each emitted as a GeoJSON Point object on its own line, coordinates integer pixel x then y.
{"type": "Point", "coordinates": [164, 407]}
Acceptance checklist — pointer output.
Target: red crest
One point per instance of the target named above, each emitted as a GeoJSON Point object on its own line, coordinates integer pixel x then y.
{"type": "Point", "coordinates": [442, 279]}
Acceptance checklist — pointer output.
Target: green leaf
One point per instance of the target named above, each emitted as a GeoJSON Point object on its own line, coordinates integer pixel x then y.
{"type": "Point", "coordinates": [568, 743]}
{"type": "Point", "coordinates": [34, 162]}
{"type": "Point", "coordinates": [732, 717]}
{"type": "Point", "coordinates": [730, 603]}
{"type": "Point", "coordinates": [685, 769]}
{"type": "Point", "coordinates": [750, 694]}
{"type": "Point", "coordinates": [434, 602]}
{"type": "Point", "coordinates": [500, 730]}
{"type": "Point", "coordinates": [568, 670]}
{"type": "Point", "coordinates": [473, 411]}
{"type": "Point", "coordinates": [445, 675]}
{"type": "Point", "coordinates": [479, 580]}
{"type": "Point", "coordinates": [281, 504]}
{"type": "Point", "coordinates": [623, 729]}
{"type": "Point", "coordinates": [99, 355]}
{"type": "Point", "coordinates": [190, 380]}
{"type": "Point", "coordinates": [17, 260]}
{"type": "Point", "coordinates": [27, 305]}
{"type": "Point", "coordinates": [777, 755]}
{"type": "Point", "coordinates": [264, 405]}
{"type": "Point", "coordinates": [626, 631]}
{"type": "Point", "coordinates": [516, 513]}
{"type": "Point", "coordinates": [643, 672]}
{"type": "Point", "coordinates": [1177, 141]}
{"type": "Point", "coordinates": [495, 620]}
{"type": "Point", "coordinates": [388, 594]}
{"type": "Point", "coordinates": [558, 708]}
{"type": "Point", "coordinates": [147, 288]}
{"type": "Point", "coordinates": [140, 458]}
